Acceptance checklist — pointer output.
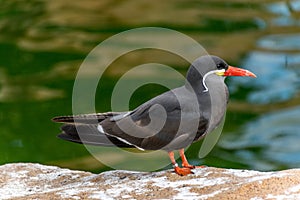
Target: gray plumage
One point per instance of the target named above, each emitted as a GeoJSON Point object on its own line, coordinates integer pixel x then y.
{"type": "Point", "coordinates": [170, 121]}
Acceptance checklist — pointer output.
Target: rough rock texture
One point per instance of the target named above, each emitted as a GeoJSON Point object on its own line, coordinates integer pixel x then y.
{"type": "Point", "coordinates": [35, 181]}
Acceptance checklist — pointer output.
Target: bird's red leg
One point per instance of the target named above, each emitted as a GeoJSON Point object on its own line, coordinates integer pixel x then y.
{"type": "Point", "coordinates": [185, 163]}
{"type": "Point", "coordinates": [180, 171]}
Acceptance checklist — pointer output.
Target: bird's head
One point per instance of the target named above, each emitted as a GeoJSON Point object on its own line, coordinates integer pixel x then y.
{"type": "Point", "coordinates": [208, 65]}
{"type": "Point", "coordinates": [223, 69]}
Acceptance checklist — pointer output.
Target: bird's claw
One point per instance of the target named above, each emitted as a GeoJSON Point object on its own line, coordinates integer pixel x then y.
{"type": "Point", "coordinates": [193, 166]}
{"type": "Point", "coordinates": [183, 171]}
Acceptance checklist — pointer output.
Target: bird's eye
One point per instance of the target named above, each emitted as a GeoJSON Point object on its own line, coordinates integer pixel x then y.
{"type": "Point", "coordinates": [221, 66]}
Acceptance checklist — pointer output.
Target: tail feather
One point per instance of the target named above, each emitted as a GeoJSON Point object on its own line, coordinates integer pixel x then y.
{"type": "Point", "coordinates": [88, 134]}
{"type": "Point", "coordinates": [86, 118]}
{"type": "Point", "coordinates": [80, 129]}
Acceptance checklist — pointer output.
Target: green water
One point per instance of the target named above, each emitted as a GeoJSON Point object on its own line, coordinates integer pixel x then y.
{"type": "Point", "coordinates": [43, 43]}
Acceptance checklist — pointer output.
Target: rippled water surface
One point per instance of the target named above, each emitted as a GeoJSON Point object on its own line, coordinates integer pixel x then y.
{"type": "Point", "coordinates": [43, 43]}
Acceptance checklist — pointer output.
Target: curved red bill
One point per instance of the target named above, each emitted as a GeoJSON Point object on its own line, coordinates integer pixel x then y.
{"type": "Point", "coordinates": [234, 71]}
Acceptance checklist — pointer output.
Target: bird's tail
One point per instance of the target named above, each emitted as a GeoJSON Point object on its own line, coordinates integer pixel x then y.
{"type": "Point", "coordinates": [83, 129]}
{"type": "Point", "coordinates": [85, 118]}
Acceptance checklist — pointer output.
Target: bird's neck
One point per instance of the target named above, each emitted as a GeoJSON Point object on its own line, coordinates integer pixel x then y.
{"type": "Point", "coordinates": [204, 85]}
{"type": "Point", "coordinates": [196, 87]}
{"type": "Point", "coordinates": [193, 80]}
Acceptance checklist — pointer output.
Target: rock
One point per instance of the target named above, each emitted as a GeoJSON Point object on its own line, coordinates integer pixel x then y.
{"type": "Point", "coordinates": [35, 181]}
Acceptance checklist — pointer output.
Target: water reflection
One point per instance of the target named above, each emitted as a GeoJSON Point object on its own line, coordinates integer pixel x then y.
{"type": "Point", "coordinates": [278, 82]}
{"type": "Point", "coordinates": [275, 59]}
{"type": "Point", "coordinates": [288, 12]}
{"type": "Point", "coordinates": [269, 142]}
{"type": "Point", "coordinates": [19, 89]}
{"type": "Point", "coordinates": [281, 42]}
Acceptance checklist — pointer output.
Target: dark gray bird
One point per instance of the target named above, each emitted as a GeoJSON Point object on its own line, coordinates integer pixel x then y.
{"type": "Point", "coordinates": [170, 121]}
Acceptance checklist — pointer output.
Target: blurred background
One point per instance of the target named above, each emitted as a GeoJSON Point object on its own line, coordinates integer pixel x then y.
{"type": "Point", "coordinates": [43, 43]}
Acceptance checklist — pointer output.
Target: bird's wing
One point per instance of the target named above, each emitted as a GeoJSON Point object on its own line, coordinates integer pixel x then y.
{"type": "Point", "coordinates": [152, 125]}
{"type": "Point", "coordinates": [146, 115]}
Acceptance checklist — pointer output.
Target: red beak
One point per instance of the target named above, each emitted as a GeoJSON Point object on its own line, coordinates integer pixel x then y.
{"type": "Point", "coordinates": [234, 71]}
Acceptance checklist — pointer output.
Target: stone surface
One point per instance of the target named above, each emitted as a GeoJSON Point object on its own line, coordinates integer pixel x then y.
{"type": "Point", "coordinates": [35, 181]}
